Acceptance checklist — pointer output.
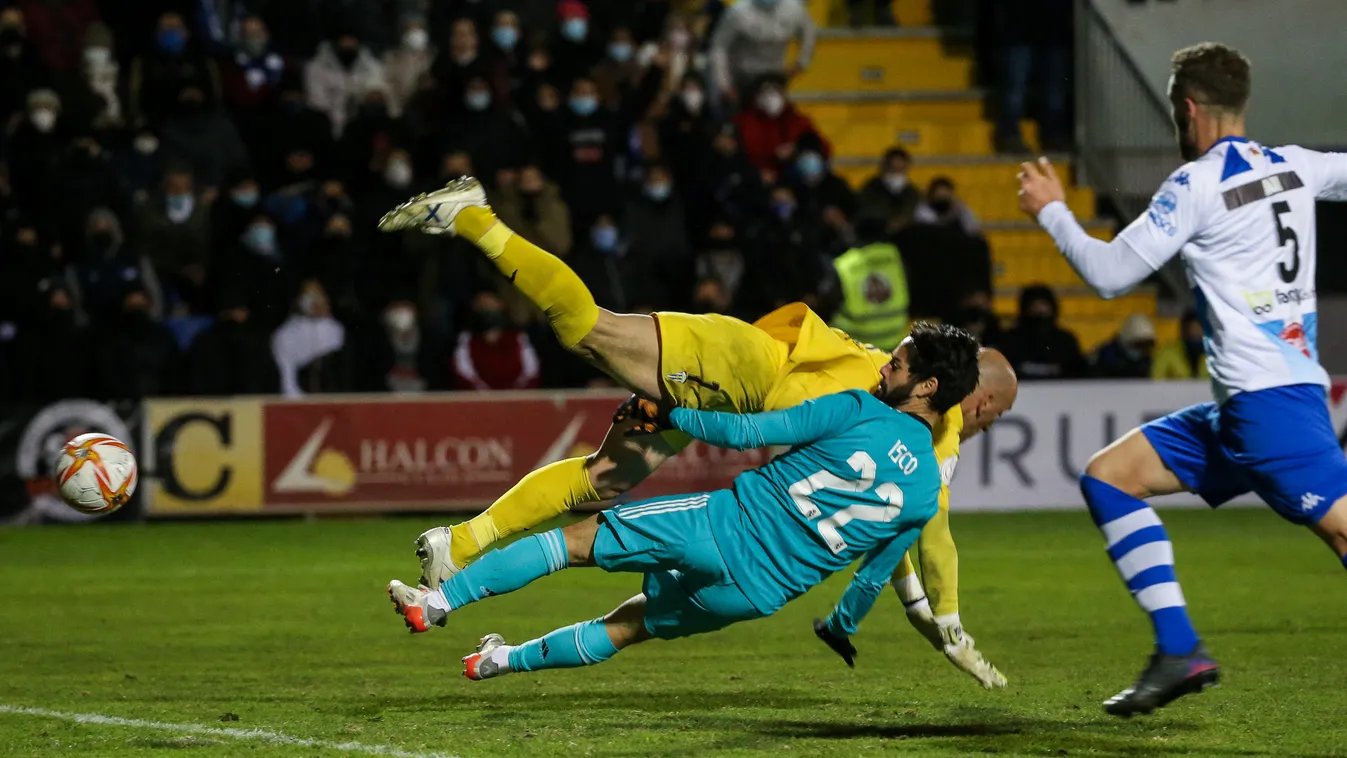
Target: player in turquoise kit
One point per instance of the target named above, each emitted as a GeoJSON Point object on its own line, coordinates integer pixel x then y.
{"type": "Point", "coordinates": [860, 481]}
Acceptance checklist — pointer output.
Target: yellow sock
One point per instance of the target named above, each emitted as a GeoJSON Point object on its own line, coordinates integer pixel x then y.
{"type": "Point", "coordinates": [541, 276]}
{"type": "Point", "coordinates": [543, 494]}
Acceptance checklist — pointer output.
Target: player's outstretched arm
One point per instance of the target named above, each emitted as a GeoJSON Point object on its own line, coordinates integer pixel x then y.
{"type": "Point", "coordinates": [1111, 268]}
{"type": "Point", "coordinates": [861, 594]}
{"type": "Point", "coordinates": [808, 422]}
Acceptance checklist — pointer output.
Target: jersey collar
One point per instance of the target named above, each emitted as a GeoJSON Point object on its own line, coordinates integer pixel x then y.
{"type": "Point", "coordinates": [1224, 140]}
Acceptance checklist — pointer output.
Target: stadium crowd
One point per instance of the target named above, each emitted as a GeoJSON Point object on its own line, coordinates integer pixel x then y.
{"type": "Point", "coordinates": [190, 189]}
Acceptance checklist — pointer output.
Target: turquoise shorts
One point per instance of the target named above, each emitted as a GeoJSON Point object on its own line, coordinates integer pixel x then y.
{"type": "Point", "coordinates": [688, 587]}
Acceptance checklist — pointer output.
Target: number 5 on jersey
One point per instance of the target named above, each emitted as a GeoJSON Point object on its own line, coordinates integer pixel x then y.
{"type": "Point", "coordinates": [861, 462]}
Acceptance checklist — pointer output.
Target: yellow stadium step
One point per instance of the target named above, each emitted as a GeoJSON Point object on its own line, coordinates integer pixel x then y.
{"type": "Point", "coordinates": [1085, 306]}
{"type": "Point", "coordinates": [993, 173]}
{"type": "Point", "coordinates": [854, 138]}
{"type": "Point", "coordinates": [834, 12]}
{"type": "Point", "coordinates": [1014, 268]}
{"type": "Point", "coordinates": [829, 109]}
{"type": "Point", "coordinates": [876, 60]}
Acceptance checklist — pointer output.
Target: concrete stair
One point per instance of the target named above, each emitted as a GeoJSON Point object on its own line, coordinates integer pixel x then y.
{"type": "Point", "coordinates": [913, 86]}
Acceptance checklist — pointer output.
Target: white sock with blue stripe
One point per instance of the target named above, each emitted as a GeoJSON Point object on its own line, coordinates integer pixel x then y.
{"type": "Point", "coordinates": [1141, 551]}
{"type": "Point", "coordinates": [506, 570]}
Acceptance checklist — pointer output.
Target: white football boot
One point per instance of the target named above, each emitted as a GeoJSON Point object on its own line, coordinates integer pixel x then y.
{"type": "Point", "coordinates": [411, 603]}
{"type": "Point", "coordinates": [433, 550]}
{"type": "Point", "coordinates": [434, 212]}
{"type": "Point", "coordinates": [479, 665]}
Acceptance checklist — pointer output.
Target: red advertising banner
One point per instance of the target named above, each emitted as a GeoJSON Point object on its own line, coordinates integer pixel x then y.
{"type": "Point", "coordinates": [449, 451]}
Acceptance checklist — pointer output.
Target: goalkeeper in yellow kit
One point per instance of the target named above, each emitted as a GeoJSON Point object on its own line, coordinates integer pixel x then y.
{"type": "Point", "coordinates": [708, 362]}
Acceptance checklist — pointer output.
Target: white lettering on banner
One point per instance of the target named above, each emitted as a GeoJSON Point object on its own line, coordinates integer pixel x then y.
{"type": "Point", "coordinates": [1032, 458]}
{"type": "Point", "coordinates": [432, 459]}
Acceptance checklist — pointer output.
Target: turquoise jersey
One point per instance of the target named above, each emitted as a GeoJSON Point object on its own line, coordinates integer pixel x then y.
{"type": "Point", "coordinates": [860, 481]}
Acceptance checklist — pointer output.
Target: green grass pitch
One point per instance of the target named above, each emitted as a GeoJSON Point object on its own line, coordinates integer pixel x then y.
{"type": "Point", "coordinates": [195, 629]}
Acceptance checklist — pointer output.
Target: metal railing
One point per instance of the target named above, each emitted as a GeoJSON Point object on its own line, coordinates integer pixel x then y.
{"type": "Point", "coordinates": [1123, 127]}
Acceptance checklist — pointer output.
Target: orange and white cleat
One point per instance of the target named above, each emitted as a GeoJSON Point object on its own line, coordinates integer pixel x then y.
{"type": "Point", "coordinates": [412, 603]}
{"type": "Point", "coordinates": [481, 664]}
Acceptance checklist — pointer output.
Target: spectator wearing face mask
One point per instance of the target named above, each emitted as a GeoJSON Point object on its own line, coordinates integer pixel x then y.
{"type": "Point", "coordinates": [404, 357]}
{"type": "Point", "coordinates": [492, 133]}
{"type": "Point", "coordinates": [197, 133]}
{"type": "Point", "coordinates": [252, 72]}
{"type": "Point", "coordinates": [618, 73]}
{"type": "Point", "coordinates": [259, 268]}
{"type": "Point", "coordinates": [57, 31]}
{"type": "Point", "coordinates": [577, 48]}
{"type": "Point", "coordinates": [407, 62]}
{"type": "Point", "coordinates": [655, 229]}
{"type": "Point", "coordinates": [591, 136]}
{"type": "Point", "coordinates": [889, 194]}
{"type": "Point", "coordinates": [771, 126]}
{"type": "Point", "coordinates": [463, 61]}
{"type": "Point", "coordinates": [789, 261]}
{"type": "Point", "coordinates": [686, 132]}
{"type": "Point", "coordinates": [942, 207]}
{"type": "Point", "coordinates": [492, 354]}
{"type": "Point", "coordinates": [109, 265]}
{"type": "Point", "coordinates": [396, 181]}
{"type": "Point", "coordinates": [232, 356]}
{"type": "Point", "coordinates": [503, 37]}
{"type": "Point", "coordinates": [309, 347]}
{"type": "Point", "coordinates": [140, 165]}
{"type": "Point", "coordinates": [31, 147]}
{"type": "Point", "coordinates": [533, 208]}
{"type": "Point", "coordinates": [20, 68]}
{"type": "Point", "coordinates": [1185, 358]}
{"type": "Point", "coordinates": [823, 194]}
{"type": "Point", "coordinates": [338, 77]}
{"type": "Point", "coordinates": [158, 77]}
{"type": "Point", "coordinates": [1128, 355]}
{"type": "Point", "coordinates": [1037, 347]}
{"type": "Point", "coordinates": [751, 39]}
{"type": "Point", "coordinates": [231, 213]}
{"type": "Point", "coordinates": [617, 277]}
{"type": "Point", "coordinates": [173, 229]}
{"type": "Point", "coordinates": [138, 356]}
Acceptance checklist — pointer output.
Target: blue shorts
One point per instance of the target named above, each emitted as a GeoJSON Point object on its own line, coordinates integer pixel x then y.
{"type": "Point", "coordinates": [688, 587]}
{"type": "Point", "coordinates": [1278, 443]}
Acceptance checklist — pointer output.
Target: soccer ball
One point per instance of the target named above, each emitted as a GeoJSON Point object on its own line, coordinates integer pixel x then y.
{"type": "Point", "coordinates": [96, 473]}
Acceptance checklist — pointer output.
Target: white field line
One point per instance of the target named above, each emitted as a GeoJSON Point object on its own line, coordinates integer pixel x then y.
{"type": "Point", "coordinates": [258, 735]}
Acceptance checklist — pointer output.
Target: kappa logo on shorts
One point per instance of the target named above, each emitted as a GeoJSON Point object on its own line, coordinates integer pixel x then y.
{"type": "Point", "coordinates": [1309, 501]}
{"type": "Point", "coordinates": [681, 377]}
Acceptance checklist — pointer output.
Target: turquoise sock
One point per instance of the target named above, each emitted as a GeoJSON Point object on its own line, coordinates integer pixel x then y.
{"type": "Point", "coordinates": [583, 644]}
{"type": "Point", "coordinates": [506, 570]}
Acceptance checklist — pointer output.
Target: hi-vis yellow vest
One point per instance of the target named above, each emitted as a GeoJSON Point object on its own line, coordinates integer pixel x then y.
{"type": "Point", "coordinates": [874, 295]}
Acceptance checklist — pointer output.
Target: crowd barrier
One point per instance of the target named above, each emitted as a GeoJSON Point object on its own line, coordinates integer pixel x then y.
{"type": "Point", "coordinates": [458, 452]}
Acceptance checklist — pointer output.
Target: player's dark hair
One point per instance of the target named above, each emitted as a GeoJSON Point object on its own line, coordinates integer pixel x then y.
{"type": "Point", "coordinates": [1211, 75]}
{"type": "Point", "coordinates": [947, 353]}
